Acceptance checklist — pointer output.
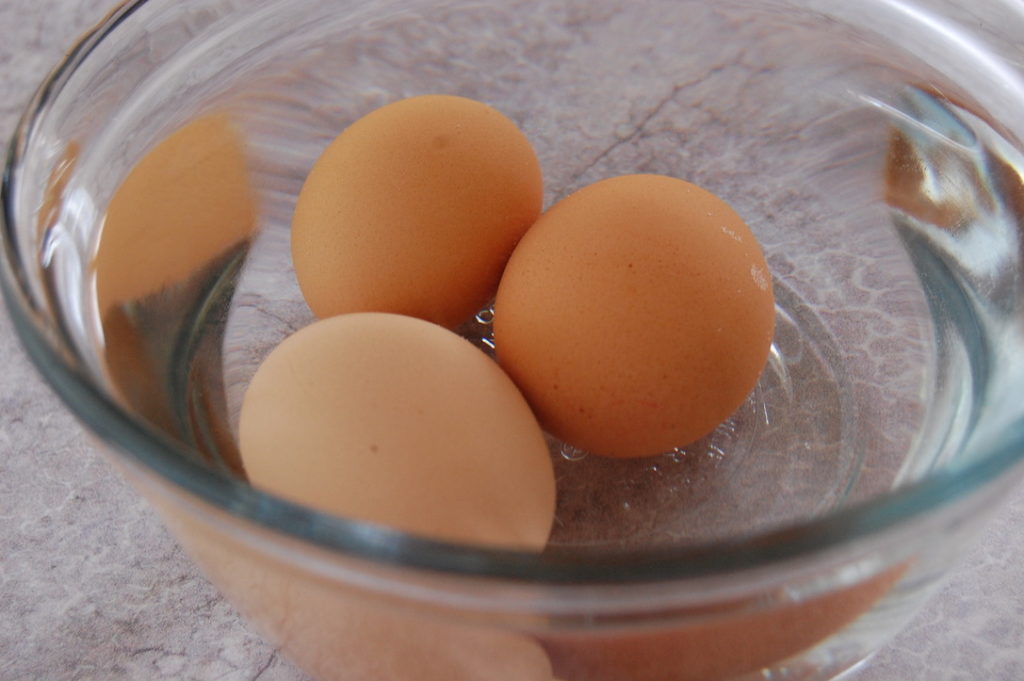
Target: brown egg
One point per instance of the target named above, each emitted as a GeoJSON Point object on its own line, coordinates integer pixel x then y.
{"type": "Point", "coordinates": [394, 420]}
{"type": "Point", "coordinates": [414, 209]}
{"type": "Point", "coordinates": [636, 315]}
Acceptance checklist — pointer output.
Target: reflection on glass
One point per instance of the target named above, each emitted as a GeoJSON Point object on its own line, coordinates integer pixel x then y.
{"type": "Point", "coordinates": [172, 240]}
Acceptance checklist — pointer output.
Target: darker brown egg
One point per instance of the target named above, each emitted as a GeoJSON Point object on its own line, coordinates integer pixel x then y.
{"type": "Point", "coordinates": [635, 315]}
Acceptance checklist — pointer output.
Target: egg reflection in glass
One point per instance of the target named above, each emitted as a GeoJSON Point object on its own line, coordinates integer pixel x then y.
{"type": "Point", "coordinates": [187, 202]}
{"type": "Point", "coordinates": [174, 232]}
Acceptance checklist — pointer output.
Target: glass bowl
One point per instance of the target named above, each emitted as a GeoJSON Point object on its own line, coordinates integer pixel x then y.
{"type": "Point", "coordinates": [873, 147]}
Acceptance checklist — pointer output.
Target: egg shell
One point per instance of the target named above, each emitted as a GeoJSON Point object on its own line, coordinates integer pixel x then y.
{"type": "Point", "coordinates": [394, 420]}
{"type": "Point", "coordinates": [636, 315]}
{"type": "Point", "coordinates": [415, 209]}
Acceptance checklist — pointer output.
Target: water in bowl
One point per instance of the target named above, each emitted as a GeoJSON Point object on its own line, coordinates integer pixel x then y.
{"type": "Point", "coordinates": [807, 440]}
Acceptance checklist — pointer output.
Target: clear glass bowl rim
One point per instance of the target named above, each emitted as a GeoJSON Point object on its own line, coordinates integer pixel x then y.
{"type": "Point", "coordinates": [168, 461]}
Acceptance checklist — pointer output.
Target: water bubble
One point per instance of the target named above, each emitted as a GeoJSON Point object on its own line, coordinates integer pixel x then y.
{"type": "Point", "coordinates": [485, 316]}
{"type": "Point", "coordinates": [570, 453]}
{"type": "Point", "coordinates": [715, 452]}
{"type": "Point", "coordinates": [676, 455]}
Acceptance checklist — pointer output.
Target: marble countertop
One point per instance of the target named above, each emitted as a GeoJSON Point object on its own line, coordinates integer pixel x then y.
{"type": "Point", "coordinates": [93, 588]}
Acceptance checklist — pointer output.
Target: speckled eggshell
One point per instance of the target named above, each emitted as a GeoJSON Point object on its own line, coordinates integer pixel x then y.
{"type": "Point", "coordinates": [397, 421]}
{"type": "Point", "coordinates": [415, 209]}
{"type": "Point", "coordinates": [636, 315]}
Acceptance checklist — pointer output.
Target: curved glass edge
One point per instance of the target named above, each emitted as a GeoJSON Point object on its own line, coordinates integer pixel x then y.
{"type": "Point", "coordinates": [168, 460]}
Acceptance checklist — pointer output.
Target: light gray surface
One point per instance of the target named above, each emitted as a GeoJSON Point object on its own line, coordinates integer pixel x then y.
{"type": "Point", "coordinates": [92, 587]}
